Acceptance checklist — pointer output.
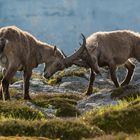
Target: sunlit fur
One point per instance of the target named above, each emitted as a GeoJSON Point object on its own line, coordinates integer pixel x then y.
{"type": "Point", "coordinates": [113, 49]}
{"type": "Point", "coordinates": [23, 51]}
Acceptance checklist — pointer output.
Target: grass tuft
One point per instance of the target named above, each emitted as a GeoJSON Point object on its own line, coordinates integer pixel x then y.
{"type": "Point", "coordinates": [18, 109]}
{"type": "Point", "coordinates": [64, 103]}
{"type": "Point", "coordinates": [65, 130]}
{"type": "Point", "coordinates": [124, 117]}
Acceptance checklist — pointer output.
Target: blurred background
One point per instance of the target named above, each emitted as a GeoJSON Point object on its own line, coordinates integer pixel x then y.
{"type": "Point", "coordinates": [60, 22]}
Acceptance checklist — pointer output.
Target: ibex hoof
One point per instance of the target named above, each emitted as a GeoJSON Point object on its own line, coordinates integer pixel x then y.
{"type": "Point", "coordinates": [123, 84]}
{"type": "Point", "coordinates": [27, 98]}
{"type": "Point", "coordinates": [88, 93]}
{"type": "Point", "coordinates": [7, 98]}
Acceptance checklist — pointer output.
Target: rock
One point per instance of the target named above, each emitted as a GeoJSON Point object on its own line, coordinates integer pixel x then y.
{"type": "Point", "coordinates": [74, 83]}
{"type": "Point", "coordinates": [96, 100]}
{"type": "Point", "coordinates": [38, 85]}
{"type": "Point", "coordinates": [48, 112]}
{"type": "Point", "coordinates": [121, 73]}
{"type": "Point", "coordinates": [126, 92]}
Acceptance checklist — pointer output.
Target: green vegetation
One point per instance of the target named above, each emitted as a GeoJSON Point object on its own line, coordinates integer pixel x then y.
{"type": "Point", "coordinates": [43, 96]}
{"type": "Point", "coordinates": [124, 117]}
{"type": "Point", "coordinates": [119, 122]}
{"type": "Point", "coordinates": [19, 110]}
{"type": "Point", "coordinates": [95, 89]}
{"type": "Point", "coordinates": [66, 130]}
{"type": "Point", "coordinates": [58, 77]}
{"type": "Point", "coordinates": [64, 103]}
{"type": "Point", "coordinates": [119, 136]}
{"type": "Point", "coordinates": [107, 121]}
{"type": "Point", "coordinates": [23, 138]}
{"type": "Point", "coordinates": [18, 119]}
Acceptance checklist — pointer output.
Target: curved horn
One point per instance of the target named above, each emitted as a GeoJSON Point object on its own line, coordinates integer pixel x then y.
{"type": "Point", "coordinates": [69, 60]}
{"type": "Point", "coordinates": [83, 37]}
{"type": "Point", "coordinates": [55, 48]}
{"type": "Point", "coordinates": [63, 53]}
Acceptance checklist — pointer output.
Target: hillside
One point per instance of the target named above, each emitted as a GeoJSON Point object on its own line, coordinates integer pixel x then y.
{"type": "Point", "coordinates": [59, 109]}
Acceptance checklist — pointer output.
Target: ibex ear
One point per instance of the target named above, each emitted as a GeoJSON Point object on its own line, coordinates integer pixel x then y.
{"type": "Point", "coordinates": [63, 53]}
{"type": "Point", "coordinates": [54, 50]}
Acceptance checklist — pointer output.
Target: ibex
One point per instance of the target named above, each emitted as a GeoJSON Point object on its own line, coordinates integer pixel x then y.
{"type": "Point", "coordinates": [21, 51]}
{"type": "Point", "coordinates": [112, 49]}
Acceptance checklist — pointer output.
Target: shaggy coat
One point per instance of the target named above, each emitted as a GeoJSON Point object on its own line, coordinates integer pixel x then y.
{"type": "Point", "coordinates": [22, 51]}
{"type": "Point", "coordinates": [19, 50]}
{"type": "Point", "coordinates": [113, 49]}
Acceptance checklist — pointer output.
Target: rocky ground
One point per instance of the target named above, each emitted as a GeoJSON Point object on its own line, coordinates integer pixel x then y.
{"type": "Point", "coordinates": [60, 109]}
{"type": "Point", "coordinates": [75, 80]}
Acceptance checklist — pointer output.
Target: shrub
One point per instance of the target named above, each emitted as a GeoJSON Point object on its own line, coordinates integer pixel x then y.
{"type": "Point", "coordinates": [124, 117]}
{"type": "Point", "coordinates": [65, 107]}
{"type": "Point", "coordinates": [18, 109]}
{"type": "Point", "coordinates": [66, 130]}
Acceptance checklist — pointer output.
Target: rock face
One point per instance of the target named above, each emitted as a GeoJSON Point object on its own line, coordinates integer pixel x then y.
{"type": "Point", "coordinates": [62, 22]}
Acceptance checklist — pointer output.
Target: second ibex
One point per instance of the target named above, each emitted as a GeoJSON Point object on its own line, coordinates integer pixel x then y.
{"type": "Point", "coordinates": [112, 49]}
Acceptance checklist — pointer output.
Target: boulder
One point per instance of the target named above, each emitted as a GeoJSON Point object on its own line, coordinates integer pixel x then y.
{"type": "Point", "coordinates": [126, 92]}
{"type": "Point", "coordinates": [96, 100]}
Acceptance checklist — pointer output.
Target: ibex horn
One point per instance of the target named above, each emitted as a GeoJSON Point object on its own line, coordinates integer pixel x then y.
{"type": "Point", "coordinates": [63, 53]}
{"type": "Point", "coordinates": [69, 60]}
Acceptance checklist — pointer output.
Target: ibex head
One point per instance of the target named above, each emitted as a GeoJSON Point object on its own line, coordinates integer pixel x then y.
{"type": "Point", "coordinates": [61, 61]}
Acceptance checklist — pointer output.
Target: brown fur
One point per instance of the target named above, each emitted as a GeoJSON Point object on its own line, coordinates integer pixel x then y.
{"type": "Point", "coordinates": [113, 49]}
{"type": "Point", "coordinates": [23, 52]}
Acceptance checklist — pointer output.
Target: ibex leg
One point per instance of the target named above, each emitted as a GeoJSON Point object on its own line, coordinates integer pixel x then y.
{"type": "Point", "coordinates": [130, 67]}
{"type": "Point", "coordinates": [6, 80]}
{"type": "Point", "coordinates": [113, 75]}
{"type": "Point", "coordinates": [27, 76]}
{"type": "Point", "coordinates": [3, 73]}
{"type": "Point", "coordinates": [90, 87]}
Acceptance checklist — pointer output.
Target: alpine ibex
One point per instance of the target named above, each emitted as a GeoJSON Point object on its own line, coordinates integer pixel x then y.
{"type": "Point", "coordinates": [21, 51]}
{"type": "Point", "coordinates": [112, 49]}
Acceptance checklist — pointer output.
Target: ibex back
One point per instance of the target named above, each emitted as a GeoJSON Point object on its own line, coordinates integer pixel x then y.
{"type": "Point", "coordinates": [113, 49]}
